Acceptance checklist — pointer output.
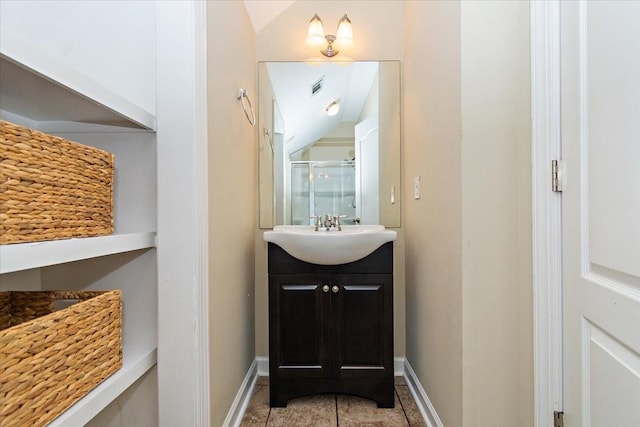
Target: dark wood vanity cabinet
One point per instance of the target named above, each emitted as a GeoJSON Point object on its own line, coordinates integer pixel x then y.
{"type": "Point", "coordinates": [331, 327]}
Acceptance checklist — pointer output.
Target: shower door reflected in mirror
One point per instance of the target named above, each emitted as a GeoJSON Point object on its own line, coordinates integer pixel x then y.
{"type": "Point", "coordinates": [322, 188]}
{"type": "Point", "coordinates": [313, 163]}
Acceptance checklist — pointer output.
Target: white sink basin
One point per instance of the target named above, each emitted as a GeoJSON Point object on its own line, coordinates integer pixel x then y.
{"type": "Point", "coordinates": [332, 247]}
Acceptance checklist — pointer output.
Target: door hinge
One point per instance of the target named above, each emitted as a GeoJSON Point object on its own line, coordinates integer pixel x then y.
{"type": "Point", "coordinates": [556, 176]}
{"type": "Point", "coordinates": [558, 419]}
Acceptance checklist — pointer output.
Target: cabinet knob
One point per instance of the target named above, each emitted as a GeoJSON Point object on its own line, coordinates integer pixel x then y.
{"type": "Point", "coordinates": [325, 288]}
{"type": "Point", "coordinates": [335, 289]}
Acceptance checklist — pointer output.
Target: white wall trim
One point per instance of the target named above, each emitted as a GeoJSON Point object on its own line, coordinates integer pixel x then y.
{"type": "Point", "coordinates": [547, 210]}
{"type": "Point", "coordinates": [398, 366]}
{"type": "Point", "coordinates": [263, 366]}
{"type": "Point", "coordinates": [180, 262]}
{"type": "Point", "coordinates": [240, 403]}
{"type": "Point", "coordinates": [425, 406]}
{"type": "Point", "coordinates": [201, 251]}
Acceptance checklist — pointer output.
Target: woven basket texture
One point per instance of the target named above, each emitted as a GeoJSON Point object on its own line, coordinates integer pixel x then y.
{"type": "Point", "coordinates": [50, 359]}
{"type": "Point", "coordinates": [52, 188]}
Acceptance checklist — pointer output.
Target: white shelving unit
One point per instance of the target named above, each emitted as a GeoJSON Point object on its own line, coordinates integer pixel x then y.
{"type": "Point", "coordinates": [26, 256]}
{"type": "Point", "coordinates": [41, 92]}
{"type": "Point", "coordinates": [135, 363]}
{"type": "Point", "coordinates": [60, 92]}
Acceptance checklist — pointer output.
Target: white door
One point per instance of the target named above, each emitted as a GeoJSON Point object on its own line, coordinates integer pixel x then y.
{"type": "Point", "coordinates": [367, 177]}
{"type": "Point", "coordinates": [601, 212]}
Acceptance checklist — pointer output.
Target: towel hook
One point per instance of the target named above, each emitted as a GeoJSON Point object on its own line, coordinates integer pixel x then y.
{"type": "Point", "coordinates": [242, 94]}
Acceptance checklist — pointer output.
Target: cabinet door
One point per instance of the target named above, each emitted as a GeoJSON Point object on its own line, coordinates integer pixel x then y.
{"type": "Point", "coordinates": [363, 319]}
{"type": "Point", "coordinates": [299, 331]}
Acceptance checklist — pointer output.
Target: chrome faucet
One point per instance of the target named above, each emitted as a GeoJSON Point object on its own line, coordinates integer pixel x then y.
{"type": "Point", "coordinates": [330, 222]}
{"type": "Point", "coordinates": [333, 221]}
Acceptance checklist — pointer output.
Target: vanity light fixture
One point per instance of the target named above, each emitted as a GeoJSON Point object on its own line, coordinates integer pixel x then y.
{"type": "Point", "coordinates": [317, 40]}
{"type": "Point", "coordinates": [333, 108]}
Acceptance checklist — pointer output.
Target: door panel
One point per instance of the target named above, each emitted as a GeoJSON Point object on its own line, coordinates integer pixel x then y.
{"type": "Point", "coordinates": [362, 325]}
{"type": "Point", "coordinates": [601, 212]}
{"type": "Point", "coordinates": [367, 167]}
{"type": "Point", "coordinates": [612, 70]}
{"type": "Point", "coordinates": [611, 395]}
{"type": "Point", "coordinates": [363, 317]}
{"type": "Point", "coordinates": [299, 311]}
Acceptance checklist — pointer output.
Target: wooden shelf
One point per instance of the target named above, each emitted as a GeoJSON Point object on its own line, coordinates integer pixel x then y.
{"type": "Point", "coordinates": [24, 256]}
{"type": "Point", "coordinates": [41, 88]}
{"type": "Point", "coordinates": [135, 363]}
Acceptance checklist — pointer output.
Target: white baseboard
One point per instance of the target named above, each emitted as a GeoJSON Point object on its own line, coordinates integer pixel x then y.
{"type": "Point", "coordinates": [398, 366]}
{"type": "Point", "coordinates": [401, 367]}
{"type": "Point", "coordinates": [420, 396]}
{"type": "Point", "coordinates": [240, 403]}
{"type": "Point", "coordinates": [263, 366]}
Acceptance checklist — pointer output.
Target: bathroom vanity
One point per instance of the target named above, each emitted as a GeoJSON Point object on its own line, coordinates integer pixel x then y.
{"type": "Point", "coordinates": [331, 327]}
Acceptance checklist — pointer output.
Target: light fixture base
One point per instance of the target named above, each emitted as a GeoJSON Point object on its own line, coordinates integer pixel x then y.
{"type": "Point", "coordinates": [329, 51]}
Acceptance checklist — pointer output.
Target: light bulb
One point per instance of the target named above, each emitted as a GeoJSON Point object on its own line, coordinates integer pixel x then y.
{"type": "Point", "coordinates": [333, 109]}
{"type": "Point", "coordinates": [315, 35]}
{"type": "Point", "coordinates": [344, 36]}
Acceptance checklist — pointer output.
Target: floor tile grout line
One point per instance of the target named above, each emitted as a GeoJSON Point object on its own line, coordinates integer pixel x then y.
{"type": "Point", "coordinates": [337, 414]}
{"type": "Point", "coordinates": [406, 417]}
{"type": "Point", "coordinates": [266, 423]}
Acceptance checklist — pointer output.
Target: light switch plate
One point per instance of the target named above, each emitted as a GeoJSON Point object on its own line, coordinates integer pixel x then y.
{"type": "Point", "coordinates": [416, 187]}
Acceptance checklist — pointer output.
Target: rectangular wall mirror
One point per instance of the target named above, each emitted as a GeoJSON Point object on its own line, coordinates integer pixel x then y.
{"type": "Point", "coordinates": [329, 141]}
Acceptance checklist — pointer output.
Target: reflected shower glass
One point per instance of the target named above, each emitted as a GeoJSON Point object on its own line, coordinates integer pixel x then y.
{"type": "Point", "coordinates": [322, 188]}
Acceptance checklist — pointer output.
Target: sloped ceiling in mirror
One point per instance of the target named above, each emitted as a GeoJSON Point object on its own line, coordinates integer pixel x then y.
{"type": "Point", "coordinates": [303, 109]}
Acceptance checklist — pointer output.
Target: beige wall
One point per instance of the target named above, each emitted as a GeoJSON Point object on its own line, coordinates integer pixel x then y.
{"type": "Point", "coordinates": [496, 214]}
{"type": "Point", "coordinates": [468, 250]}
{"type": "Point", "coordinates": [432, 150]}
{"type": "Point", "coordinates": [282, 40]}
{"type": "Point", "coordinates": [232, 201]}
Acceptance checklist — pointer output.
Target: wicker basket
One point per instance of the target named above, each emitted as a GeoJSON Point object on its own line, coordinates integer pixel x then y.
{"type": "Point", "coordinates": [51, 359]}
{"type": "Point", "coordinates": [51, 188]}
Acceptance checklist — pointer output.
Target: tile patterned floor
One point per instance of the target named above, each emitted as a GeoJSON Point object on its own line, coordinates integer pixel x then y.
{"type": "Point", "coordinates": [325, 410]}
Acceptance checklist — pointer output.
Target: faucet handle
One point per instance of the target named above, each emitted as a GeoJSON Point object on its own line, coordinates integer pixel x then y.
{"type": "Point", "coordinates": [336, 220]}
{"type": "Point", "coordinates": [317, 220]}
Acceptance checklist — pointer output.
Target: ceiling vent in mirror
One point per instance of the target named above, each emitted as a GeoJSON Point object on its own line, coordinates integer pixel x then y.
{"type": "Point", "coordinates": [317, 86]}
